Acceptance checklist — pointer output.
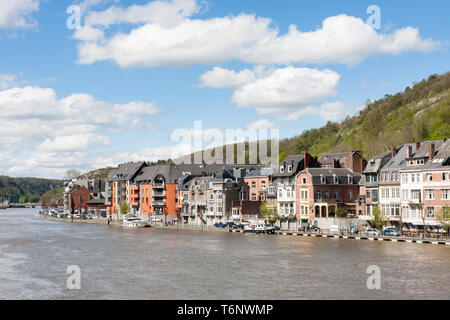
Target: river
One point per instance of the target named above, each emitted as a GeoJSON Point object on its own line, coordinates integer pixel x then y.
{"type": "Point", "coordinates": [117, 263]}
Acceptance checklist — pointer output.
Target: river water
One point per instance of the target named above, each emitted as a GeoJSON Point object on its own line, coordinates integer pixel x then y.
{"type": "Point", "coordinates": [118, 263]}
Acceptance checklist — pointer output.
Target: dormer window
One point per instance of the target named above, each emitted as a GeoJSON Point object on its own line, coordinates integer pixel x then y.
{"type": "Point", "coordinates": [290, 168]}
{"type": "Point", "coordinates": [282, 169]}
{"type": "Point", "coordinates": [322, 179]}
{"type": "Point", "coordinates": [350, 179]}
{"type": "Point", "coordinates": [335, 179]}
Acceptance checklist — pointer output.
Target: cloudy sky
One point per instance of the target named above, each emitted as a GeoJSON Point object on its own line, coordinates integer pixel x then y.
{"type": "Point", "coordinates": [115, 86]}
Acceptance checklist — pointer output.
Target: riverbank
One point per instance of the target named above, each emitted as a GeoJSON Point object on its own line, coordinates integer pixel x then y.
{"type": "Point", "coordinates": [281, 232]}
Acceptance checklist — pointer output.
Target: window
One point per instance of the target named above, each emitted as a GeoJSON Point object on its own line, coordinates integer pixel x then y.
{"type": "Point", "coordinates": [368, 194]}
{"type": "Point", "coordinates": [327, 195]}
{"type": "Point", "coordinates": [430, 212]}
{"type": "Point", "coordinates": [350, 179]}
{"type": "Point", "coordinates": [253, 184]}
{"type": "Point", "coordinates": [415, 194]}
{"type": "Point", "coordinates": [375, 195]}
{"type": "Point", "coordinates": [336, 194]}
{"type": "Point", "coordinates": [306, 194]}
{"type": "Point", "coordinates": [350, 194]}
{"type": "Point", "coordinates": [413, 178]}
{"type": "Point", "coordinates": [404, 194]}
{"type": "Point", "coordinates": [289, 168]}
{"type": "Point", "coordinates": [263, 185]}
{"type": "Point", "coordinates": [335, 179]}
{"type": "Point", "coordinates": [211, 196]}
{"type": "Point", "coordinates": [445, 176]}
{"type": "Point", "coordinates": [429, 194]}
{"type": "Point", "coordinates": [418, 177]}
{"type": "Point", "coordinates": [322, 179]}
{"type": "Point", "coordinates": [404, 178]}
{"type": "Point", "coordinates": [302, 210]}
{"type": "Point", "coordinates": [280, 193]}
{"type": "Point", "coordinates": [429, 177]}
{"type": "Point", "coordinates": [304, 180]}
{"type": "Point", "coordinates": [282, 169]}
{"type": "Point", "coordinates": [319, 195]}
{"type": "Point", "coordinates": [253, 197]}
{"type": "Point", "coordinates": [444, 194]}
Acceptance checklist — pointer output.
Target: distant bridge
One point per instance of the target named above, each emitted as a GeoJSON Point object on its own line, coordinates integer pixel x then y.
{"type": "Point", "coordinates": [19, 205]}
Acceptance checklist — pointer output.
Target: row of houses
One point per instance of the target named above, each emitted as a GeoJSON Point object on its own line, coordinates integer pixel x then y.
{"type": "Point", "coordinates": [409, 184]}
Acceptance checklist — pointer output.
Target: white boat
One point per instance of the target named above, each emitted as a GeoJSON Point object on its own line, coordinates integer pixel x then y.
{"type": "Point", "coordinates": [258, 228]}
{"type": "Point", "coordinates": [134, 222]}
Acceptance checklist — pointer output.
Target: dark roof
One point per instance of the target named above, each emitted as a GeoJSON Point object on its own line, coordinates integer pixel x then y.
{"type": "Point", "coordinates": [260, 172]}
{"type": "Point", "coordinates": [126, 171]}
{"type": "Point", "coordinates": [168, 172]}
{"type": "Point", "coordinates": [341, 174]}
{"type": "Point", "coordinates": [328, 158]}
{"type": "Point", "coordinates": [377, 162]}
{"type": "Point", "coordinates": [295, 161]}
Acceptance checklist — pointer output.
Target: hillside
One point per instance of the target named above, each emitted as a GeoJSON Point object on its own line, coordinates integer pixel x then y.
{"type": "Point", "coordinates": [419, 113]}
{"type": "Point", "coordinates": [26, 189]}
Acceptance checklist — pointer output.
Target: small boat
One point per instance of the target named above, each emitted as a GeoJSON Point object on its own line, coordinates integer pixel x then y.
{"type": "Point", "coordinates": [258, 228]}
{"type": "Point", "coordinates": [134, 222]}
{"type": "Point", "coordinates": [4, 205]}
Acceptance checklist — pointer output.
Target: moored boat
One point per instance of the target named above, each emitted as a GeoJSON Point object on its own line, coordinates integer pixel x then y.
{"type": "Point", "coordinates": [133, 222]}
{"type": "Point", "coordinates": [258, 228]}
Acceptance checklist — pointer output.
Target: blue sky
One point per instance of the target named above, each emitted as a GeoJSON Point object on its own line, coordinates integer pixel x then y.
{"type": "Point", "coordinates": [137, 89]}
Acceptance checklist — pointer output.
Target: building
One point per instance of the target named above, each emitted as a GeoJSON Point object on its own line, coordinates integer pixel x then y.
{"type": "Point", "coordinates": [77, 199]}
{"type": "Point", "coordinates": [223, 188]}
{"type": "Point", "coordinates": [258, 181]}
{"type": "Point", "coordinates": [119, 182]}
{"type": "Point", "coordinates": [156, 189]}
{"type": "Point", "coordinates": [193, 199]}
{"type": "Point", "coordinates": [369, 182]}
{"type": "Point", "coordinates": [425, 183]}
{"type": "Point", "coordinates": [351, 160]}
{"type": "Point", "coordinates": [284, 180]}
{"type": "Point", "coordinates": [321, 192]}
{"type": "Point", "coordinates": [246, 211]}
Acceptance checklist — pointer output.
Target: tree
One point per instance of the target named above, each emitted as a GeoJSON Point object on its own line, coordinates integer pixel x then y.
{"type": "Point", "coordinates": [269, 212]}
{"type": "Point", "coordinates": [342, 213]}
{"type": "Point", "coordinates": [444, 218]}
{"type": "Point", "coordinates": [72, 174]}
{"type": "Point", "coordinates": [124, 208]}
{"type": "Point", "coordinates": [377, 220]}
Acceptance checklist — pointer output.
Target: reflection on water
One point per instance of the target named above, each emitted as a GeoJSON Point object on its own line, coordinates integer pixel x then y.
{"type": "Point", "coordinates": [172, 264]}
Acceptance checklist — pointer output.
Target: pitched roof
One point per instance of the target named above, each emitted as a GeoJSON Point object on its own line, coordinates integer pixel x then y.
{"type": "Point", "coordinates": [293, 160]}
{"type": "Point", "coordinates": [328, 158]}
{"type": "Point", "coordinates": [377, 162]}
{"type": "Point", "coordinates": [342, 174]}
{"type": "Point", "coordinates": [126, 171]}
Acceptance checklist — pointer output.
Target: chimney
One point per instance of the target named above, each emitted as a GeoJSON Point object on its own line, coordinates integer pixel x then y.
{"type": "Point", "coordinates": [431, 150]}
{"type": "Point", "coordinates": [393, 150]}
{"type": "Point", "coordinates": [408, 151]}
{"type": "Point", "coordinates": [305, 160]}
{"type": "Point", "coordinates": [335, 163]}
{"type": "Point", "coordinates": [417, 146]}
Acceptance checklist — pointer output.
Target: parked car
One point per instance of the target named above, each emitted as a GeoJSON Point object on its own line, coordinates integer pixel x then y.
{"type": "Point", "coordinates": [372, 232]}
{"type": "Point", "coordinates": [237, 226]}
{"type": "Point", "coordinates": [54, 214]}
{"type": "Point", "coordinates": [155, 219]}
{"type": "Point", "coordinates": [229, 224]}
{"type": "Point", "coordinates": [89, 216]}
{"type": "Point", "coordinates": [391, 233]}
{"type": "Point", "coordinates": [220, 225]}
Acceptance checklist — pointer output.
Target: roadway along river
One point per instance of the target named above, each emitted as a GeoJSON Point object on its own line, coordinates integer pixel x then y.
{"type": "Point", "coordinates": [116, 263]}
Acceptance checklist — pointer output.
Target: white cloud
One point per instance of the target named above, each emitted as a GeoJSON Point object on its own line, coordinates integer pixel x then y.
{"type": "Point", "coordinates": [73, 142]}
{"type": "Point", "coordinates": [329, 111]}
{"type": "Point", "coordinates": [262, 124]}
{"type": "Point", "coordinates": [166, 34]}
{"type": "Point", "coordinates": [7, 80]}
{"type": "Point", "coordinates": [272, 91]}
{"type": "Point", "coordinates": [17, 13]}
{"type": "Point", "coordinates": [36, 116]}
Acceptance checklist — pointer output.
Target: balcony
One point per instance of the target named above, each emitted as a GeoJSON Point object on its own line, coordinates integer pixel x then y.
{"type": "Point", "coordinates": [159, 203]}
{"type": "Point", "coordinates": [158, 185]}
{"type": "Point", "coordinates": [158, 193]}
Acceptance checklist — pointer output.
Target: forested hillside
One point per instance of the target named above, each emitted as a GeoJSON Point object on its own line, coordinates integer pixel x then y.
{"type": "Point", "coordinates": [420, 112]}
{"type": "Point", "coordinates": [26, 189]}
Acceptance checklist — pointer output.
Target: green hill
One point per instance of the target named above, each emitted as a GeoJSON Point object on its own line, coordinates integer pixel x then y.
{"type": "Point", "coordinates": [26, 189]}
{"type": "Point", "coordinates": [420, 112]}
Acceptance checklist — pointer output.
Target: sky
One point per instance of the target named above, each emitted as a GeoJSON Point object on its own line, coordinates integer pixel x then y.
{"type": "Point", "coordinates": [93, 83]}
